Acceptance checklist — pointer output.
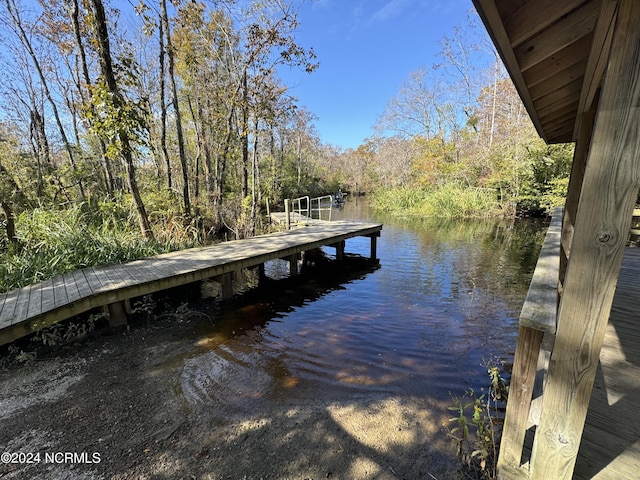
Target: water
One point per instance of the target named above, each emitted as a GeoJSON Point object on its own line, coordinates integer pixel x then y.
{"type": "Point", "coordinates": [443, 300]}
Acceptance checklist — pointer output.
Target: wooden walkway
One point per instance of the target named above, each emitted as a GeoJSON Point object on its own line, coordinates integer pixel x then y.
{"type": "Point", "coordinates": [31, 308]}
{"type": "Point", "coordinates": [610, 447]}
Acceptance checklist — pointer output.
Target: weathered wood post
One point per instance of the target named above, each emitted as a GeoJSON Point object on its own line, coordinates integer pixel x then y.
{"type": "Point", "coordinates": [117, 313]}
{"type": "Point", "coordinates": [226, 282]}
{"type": "Point", "coordinates": [293, 265]}
{"type": "Point", "coordinates": [374, 245]}
{"type": "Point", "coordinates": [287, 213]}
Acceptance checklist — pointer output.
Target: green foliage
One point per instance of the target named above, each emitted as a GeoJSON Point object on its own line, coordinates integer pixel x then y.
{"type": "Point", "coordinates": [66, 332]}
{"type": "Point", "coordinates": [444, 201]}
{"type": "Point", "coordinates": [58, 241]}
{"type": "Point", "coordinates": [145, 307]}
{"type": "Point", "coordinates": [20, 356]}
{"type": "Point", "coordinates": [111, 116]}
{"type": "Point", "coordinates": [475, 435]}
{"type": "Point", "coordinates": [546, 182]}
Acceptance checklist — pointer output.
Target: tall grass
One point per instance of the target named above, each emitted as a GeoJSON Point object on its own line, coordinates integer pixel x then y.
{"type": "Point", "coordinates": [58, 241]}
{"type": "Point", "coordinates": [445, 201]}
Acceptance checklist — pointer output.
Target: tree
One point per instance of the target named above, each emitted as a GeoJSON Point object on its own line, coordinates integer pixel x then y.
{"type": "Point", "coordinates": [14, 15]}
{"type": "Point", "coordinates": [164, 21]}
{"type": "Point", "coordinates": [116, 120]}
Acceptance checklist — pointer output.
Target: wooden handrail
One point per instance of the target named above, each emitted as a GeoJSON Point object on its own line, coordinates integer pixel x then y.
{"type": "Point", "coordinates": [540, 306]}
{"type": "Point", "coordinates": [538, 317]}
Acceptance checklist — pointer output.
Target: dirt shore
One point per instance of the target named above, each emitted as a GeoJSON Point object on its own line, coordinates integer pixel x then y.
{"type": "Point", "coordinates": [114, 408]}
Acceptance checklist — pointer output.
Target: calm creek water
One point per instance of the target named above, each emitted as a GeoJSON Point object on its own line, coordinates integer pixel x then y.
{"type": "Point", "coordinates": [444, 298]}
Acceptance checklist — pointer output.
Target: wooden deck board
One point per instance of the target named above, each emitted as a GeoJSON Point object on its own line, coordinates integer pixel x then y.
{"type": "Point", "coordinates": [71, 288]}
{"type": "Point", "coordinates": [48, 296]}
{"type": "Point", "coordinates": [31, 308]}
{"type": "Point", "coordinates": [610, 448]}
{"type": "Point", "coordinates": [2, 302]}
{"type": "Point", "coordinates": [60, 297]}
{"type": "Point", "coordinates": [22, 304]}
{"type": "Point", "coordinates": [8, 311]}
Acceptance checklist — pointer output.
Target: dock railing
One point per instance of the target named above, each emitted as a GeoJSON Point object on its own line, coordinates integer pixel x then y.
{"type": "Point", "coordinates": [301, 206]}
{"type": "Point", "coordinates": [538, 322]}
{"type": "Point", "coordinates": [321, 207]}
{"type": "Point", "coordinates": [537, 318]}
{"type": "Point", "coordinates": [305, 208]}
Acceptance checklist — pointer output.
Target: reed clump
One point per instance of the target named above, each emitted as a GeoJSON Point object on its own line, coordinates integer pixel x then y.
{"type": "Point", "coordinates": [443, 201]}
{"type": "Point", "coordinates": [57, 241]}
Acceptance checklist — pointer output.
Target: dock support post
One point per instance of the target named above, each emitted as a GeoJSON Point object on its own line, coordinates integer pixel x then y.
{"type": "Point", "coordinates": [293, 265]}
{"type": "Point", "coordinates": [520, 393]}
{"type": "Point", "coordinates": [339, 250]}
{"type": "Point", "coordinates": [226, 282]}
{"type": "Point", "coordinates": [117, 313]}
{"type": "Point", "coordinates": [374, 245]}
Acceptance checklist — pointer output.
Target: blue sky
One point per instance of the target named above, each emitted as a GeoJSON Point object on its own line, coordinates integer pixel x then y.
{"type": "Point", "coordinates": [366, 50]}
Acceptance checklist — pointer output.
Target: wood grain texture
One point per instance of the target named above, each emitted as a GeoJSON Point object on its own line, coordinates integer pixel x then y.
{"type": "Point", "coordinates": [520, 393]}
{"type": "Point", "coordinates": [604, 213]}
{"type": "Point", "coordinates": [531, 17]}
{"type": "Point", "coordinates": [551, 40]}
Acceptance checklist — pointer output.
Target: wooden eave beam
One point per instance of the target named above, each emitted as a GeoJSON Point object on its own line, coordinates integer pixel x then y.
{"type": "Point", "coordinates": [561, 115]}
{"type": "Point", "coordinates": [559, 80]}
{"type": "Point", "coordinates": [534, 16]}
{"type": "Point", "coordinates": [561, 126]}
{"type": "Point", "coordinates": [598, 56]}
{"type": "Point", "coordinates": [492, 20]}
{"type": "Point", "coordinates": [566, 94]}
{"type": "Point", "coordinates": [570, 29]}
{"type": "Point", "coordinates": [561, 60]}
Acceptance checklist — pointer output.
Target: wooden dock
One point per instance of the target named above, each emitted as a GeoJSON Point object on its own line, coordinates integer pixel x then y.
{"type": "Point", "coordinates": [610, 447]}
{"type": "Point", "coordinates": [26, 310]}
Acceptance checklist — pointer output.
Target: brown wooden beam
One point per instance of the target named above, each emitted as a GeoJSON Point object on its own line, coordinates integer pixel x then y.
{"type": "Point", "coordinates": [603, 218]}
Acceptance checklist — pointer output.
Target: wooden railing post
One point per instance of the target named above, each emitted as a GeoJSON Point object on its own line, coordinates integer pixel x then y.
{"type": "Point", "coordinates": [537, 317]}
{"type": "Point", "coordinates": [287, 213]}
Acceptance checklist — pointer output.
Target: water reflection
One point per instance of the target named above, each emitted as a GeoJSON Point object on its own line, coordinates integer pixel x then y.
{"type": "Point", "coordinates": [445, 296]}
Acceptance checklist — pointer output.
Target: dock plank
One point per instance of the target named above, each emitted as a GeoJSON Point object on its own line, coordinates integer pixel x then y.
{"type": "Point", "coordinates": [71, 288]}
{"type": "Point", "coordinates": [84, 289]}
{"type": "Point", "coordinates": [22, 305]}
{"type": "Point", "coordinates": [2, 301]}
{"type": "Point", "coordinates": [34, 307]}
{"type": "Point", "coordinates": [48, 295]}
{"type": "Point", "coordinates": [8, 311]}
{"type": "Point", "coordinates": [60, 297]}
{"type": "Point", "coordinates": [92, 279]}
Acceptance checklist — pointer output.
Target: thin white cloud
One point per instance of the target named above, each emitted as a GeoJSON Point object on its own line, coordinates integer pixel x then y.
{"type": "Point", "coordinates": [391, 9]}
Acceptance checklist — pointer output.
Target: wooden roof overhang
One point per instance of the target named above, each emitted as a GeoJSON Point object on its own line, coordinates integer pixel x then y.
{"type": "Point", "coordinates": [553, 52]}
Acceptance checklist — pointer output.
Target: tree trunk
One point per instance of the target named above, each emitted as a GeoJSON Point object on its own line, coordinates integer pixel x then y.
{"type": "Point", "coordinates": [74, 14]}
{"type": "Point", "coordinates": [163, 107]}
{"type": "Point", "coordinates": [244, 135]}
{"type": "Point", "coordinates": [176, 108]}
{"type": "Point", "coordinates": [106, 66]}
{"type": "Point", "coordinates": [5, 205]}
